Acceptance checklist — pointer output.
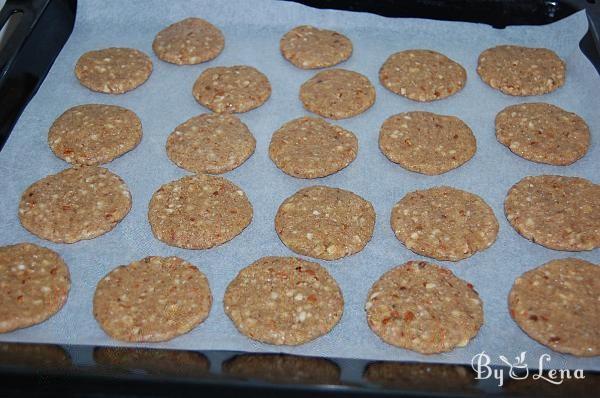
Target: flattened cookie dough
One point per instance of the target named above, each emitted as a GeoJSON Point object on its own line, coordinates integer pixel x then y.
{"type": "Point", "coordinates": [521, 71]}
{"type": "Point", "coordinates": [94, 134]}
{"type": "Point", "coordinates": [113, 70]}
{"type": "Point", "coordinates": [543, 133]}
{"type": "Point", "coordinates": [560, 213]}
{"type": "Point", "coordinates": [233, 89]}
{"type": "Point", "coordinates": [308, 47]}
{"type": "Point", "coordinates": [283, 301]}
{"type": "Point", "coordinates": [210, 143]}
{"type": "Point", "coordinates": [309, 147]}
{"type": "Point", "coordinates": [422, 75]}
{"type": "Point", "coordinates": [199, 212]}
{"type": "Point", "coordinates": [444, 223]}
{"type": "Point", "coordinates": [337, 93]}
{"type": "Point", "coordinates": [556, 304]}
{"type": "Point", "coordinates": [326, 223]}
{"type": "Point", "coordinates": [154, 299]}
{"type": "Point", "coordinates": [35, 283]}
{"type": "Point", "coordinates": [78, 203]}
{"type": "Point", "coordinates": [425, 308]}
{"type": "Point", "coordinates": [427, 143]}
{"type": "Point", "coordinates": [188, 42]}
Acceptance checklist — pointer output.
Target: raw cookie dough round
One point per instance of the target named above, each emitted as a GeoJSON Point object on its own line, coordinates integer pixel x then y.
{"type": "Point", "coordinates": [326, 223]}
{"type": "Point", "coordinates": [154, 299]}
{"type": "Point", "coordinates": [560, 213]}
{"type": "Point", "coordinates": [423, 307]}
{"type": "Point", "coordinates": [78, 203]}
{"type": "Point", "coordinates": [210, 143]}
{"type": "Point", "coordinates": [543, 133]}
{"type": "Point", "coordinates": [284, 301]}
{"type": "Point", "coordinates": [309, 147]}
{"type": "Point", "coordinates": [199, 212]}
{"type": "Point", "coordinates": [422, 75]}
{"type": "Point", "coordinates": [521, 71]}
{"type": "Point", "coordinates": [427, 143]}
{"type": "Point", "coordinates": [444, 223]}
{"type": "Point", "coordinates": [233, 89]}
{"type": "Point", "coordinates": [34, 282]}
{"type": "Point", "coordinates": [188, 42]}
{"type": "Point", "coordinates": [308, 47]}
{"type": "Point", "coordinates": [556, 304]}
{"type": "Point", "coordinates": [337, 93]}
{"type": "Point", "coordinates": [283, 368]}
{"type": "Point", "coordinates": [94, 134]}
{"type": "Point", "coordinates": [113, 70]}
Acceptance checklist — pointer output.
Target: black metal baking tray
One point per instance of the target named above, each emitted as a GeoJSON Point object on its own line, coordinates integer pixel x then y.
{"type": "Point", "coordinates": [37, 32]}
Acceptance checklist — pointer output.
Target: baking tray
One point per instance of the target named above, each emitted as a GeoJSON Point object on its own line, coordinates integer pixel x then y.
{"type": "Point", "coordinates": [43, 26]}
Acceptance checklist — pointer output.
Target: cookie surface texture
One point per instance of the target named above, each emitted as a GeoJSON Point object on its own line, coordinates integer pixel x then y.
{"type": "Point", "coordinates": [211, 143]}
{"type": "Point", "coordinates": [35, 283]}
{"type": "Point", "coordinates": [423, 307]}
{"type": "Point", "coordinates": [444, 223]}
{"type": "Point", "coordinates": [543, 133]}
{"type": "Point", "coordinates": [308, 47]}
{"type": "Point", "coordinates": [78, 203]}
{"type": "Point", "coordinates": [233, 89]}
{"type": "Point", "coordinates": [199, 212]}
{"type": "Point", "coordinates": [422, 75]}
{"type": "Point", "coordinates": [521, 71]}
{"type": "Point", "coordinates": [325, 223]}
{"type": "Point", "coordinates": [113, 70]}
{"type": "Point", "coordinates": [554, 305]}
{"type": "Point", "coordinates": [337, 94]}
{"type": "Point", "coordinates": [284, 301]}
{"type": "Point", "coordinates": [154, 299]}
{"type": "Point", "coordinates": [188, 42]}
{"type": "Point", "coordinates": [427, 143]}
{"type": "Point", "coordinates": [310, 147]}
{"type": "Point", "coordinates": [560, 213]}
{"type": "Point", "coordinates": [94, 134]}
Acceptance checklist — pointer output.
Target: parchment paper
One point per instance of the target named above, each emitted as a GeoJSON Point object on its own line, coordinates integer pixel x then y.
{"type": "Point", "coordinates": [252, 30]}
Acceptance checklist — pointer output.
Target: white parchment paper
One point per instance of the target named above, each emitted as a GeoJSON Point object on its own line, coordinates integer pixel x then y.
{"type": "Point", "coordinates": [252, 30]}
